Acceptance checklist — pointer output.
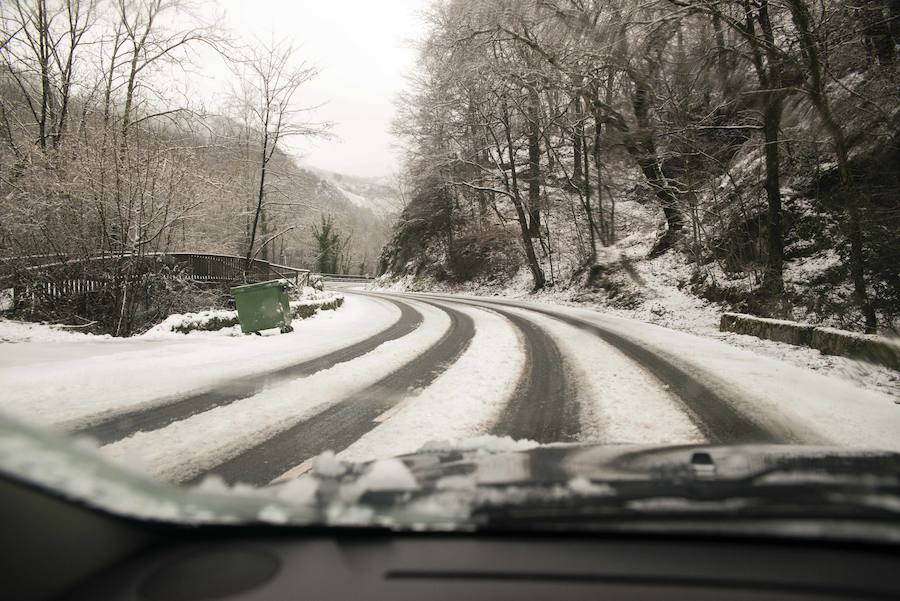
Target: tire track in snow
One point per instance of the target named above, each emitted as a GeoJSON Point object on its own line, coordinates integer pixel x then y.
{"type": "Point", "coordinates": [201, 442]}
{"type": "Point", "coordinates": [545, 406]}
{"type": "Point", "coordinates": [621, 403]}
{"type": "Point", "coordinates": [717, 419]}
{"type": "Point", "coordinates": [154, 418]}
{"type": "Point", "coordinates": [342, 423]}
{"type": "Point", "coordinates": [462, 402]}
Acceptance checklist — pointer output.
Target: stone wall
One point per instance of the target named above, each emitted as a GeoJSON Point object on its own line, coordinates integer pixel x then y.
{"type": "Point", "coordinates": [829, 341]}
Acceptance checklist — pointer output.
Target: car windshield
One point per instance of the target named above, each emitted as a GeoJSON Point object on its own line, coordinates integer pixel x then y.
{"type": "Point", "coordinates": [453, 263]}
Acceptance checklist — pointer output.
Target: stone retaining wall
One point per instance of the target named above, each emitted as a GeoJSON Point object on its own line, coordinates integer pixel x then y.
{"type": "Point", "coordinates": [829, 341]}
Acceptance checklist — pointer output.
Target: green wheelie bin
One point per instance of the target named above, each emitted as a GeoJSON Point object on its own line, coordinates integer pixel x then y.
{"type": "Point", "coordinates": [263, 306]}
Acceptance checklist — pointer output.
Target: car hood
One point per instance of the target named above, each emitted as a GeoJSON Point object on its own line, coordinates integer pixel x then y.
{"type": "Point", "coordinates": [500, 484]}
{"type": "Point", "coordinates": [557, 464]}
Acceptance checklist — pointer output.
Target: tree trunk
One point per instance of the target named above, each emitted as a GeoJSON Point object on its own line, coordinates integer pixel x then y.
{"type": "Point", "coordinates": [534, 164]}
{"type": "Point", "coordinates": [769, 75]}
{"type": "Point", "coordinates": [577, 135]}
{"type": "Point", "coordinates": [259, 197]}
{"type": "Point", "coordinates": [588, 209]}
{"type": "Point", "coordinates": [477, 158]}
{"type": "Point", "coordinates": [598, 124]}
{"type": "Point", "coordinates": [537, 273]}
{"type": "Point", "coordinates": [773, 280]}
{"type": "Point", "coordinates": [642, 146]}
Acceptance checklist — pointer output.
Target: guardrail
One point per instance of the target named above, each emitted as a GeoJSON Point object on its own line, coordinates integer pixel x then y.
{"type": "Point", "coordinates": [345, 277]}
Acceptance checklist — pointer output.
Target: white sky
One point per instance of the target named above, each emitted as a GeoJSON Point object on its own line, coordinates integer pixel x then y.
{"type": "Point", "coordinates": [363, 51]}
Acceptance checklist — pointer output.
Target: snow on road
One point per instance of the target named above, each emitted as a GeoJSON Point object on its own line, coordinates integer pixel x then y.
{"type": "Point", "coordinates": [620, 401]}
{"type": "Point", "coordinates": [462, 402]}
{"type": "Point", "coordinates": [189, 447]}
{"type": "Point", "coordinates": [71, 380]}
{"type": "Point", "coordinates": [816, 408]}
{"type": "Point", "coordinates": [92, 379]}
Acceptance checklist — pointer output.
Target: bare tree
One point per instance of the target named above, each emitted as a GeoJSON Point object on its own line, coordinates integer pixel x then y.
{"type": "Point", "coordinates": [270, 82]}
{"type": "Point", "coordinates": [40, 52]}
{"type": "Point", "coordinates": [816, 90]}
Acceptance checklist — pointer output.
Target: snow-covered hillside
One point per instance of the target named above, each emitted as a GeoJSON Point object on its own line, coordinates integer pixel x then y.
{"type": "Point", "coordinates": [376, 194]}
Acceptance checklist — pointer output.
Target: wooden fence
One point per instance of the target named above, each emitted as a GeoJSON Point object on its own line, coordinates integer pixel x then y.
{"type": "Point", "coordinates": [207, 267]}
{"type": "Point", "coordinates": [27, 277]}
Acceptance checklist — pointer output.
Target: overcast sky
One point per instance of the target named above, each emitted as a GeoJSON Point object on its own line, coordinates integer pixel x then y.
{"type": "Point", "coordinates": [363, 50]}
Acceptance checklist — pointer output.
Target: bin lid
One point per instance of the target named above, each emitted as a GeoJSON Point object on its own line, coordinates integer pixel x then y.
{"type": "Point", "coordinates": [281, 283]}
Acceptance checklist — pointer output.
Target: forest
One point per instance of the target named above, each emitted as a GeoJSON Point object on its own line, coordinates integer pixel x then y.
{"type": "Point", "coordinates": [759, 140]}
{"type": "Point", "coordinates": [103, 151]}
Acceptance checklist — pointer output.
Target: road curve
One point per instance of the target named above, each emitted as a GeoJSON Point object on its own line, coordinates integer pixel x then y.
{"type": "Point", "coordinates": [714, 415]}
{"type": "Point", "coordinates": [558, 398]}
{"type": "Point", "coordinates": [544, 406]}
{"type": "Point", "coordinates": [154, 418]}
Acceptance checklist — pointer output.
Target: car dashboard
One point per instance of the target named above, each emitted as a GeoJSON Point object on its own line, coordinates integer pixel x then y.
{"type": "Point", "coordinates": [57, 549]}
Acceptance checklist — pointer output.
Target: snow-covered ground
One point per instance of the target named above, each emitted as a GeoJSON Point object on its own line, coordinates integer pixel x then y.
{"type": "Point", "coordinates": [669, 304]}
{"type": "Point", "coordinates": [812, 405]}
{"type": "Point", "coordinates": [22, 331]}
{"type": "Point", "coordinates": [665, 301]}
{"type": "Point", "coordinates": [188, 447]}
{"type": "Point", "coordinates": [70, 381]}
{"type": "Point", "coordinates": [93, 378]}
{"type": "Point", "coordinates": [620, 402]}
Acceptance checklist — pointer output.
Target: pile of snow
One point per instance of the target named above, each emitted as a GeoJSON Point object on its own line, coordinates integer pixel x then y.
{"type": "Point", "coordinates": [221, 321]}
{"type": "Point", "coordinates": [224, 322]}
{"type": "Point", "coordinates": [385, 475]}
{"type": "Point", "coordinates": [481, 444]}
{"type": "Point", "coordinates": [21, 331]}
{"type": "Point", "coordinates": [307, 295]}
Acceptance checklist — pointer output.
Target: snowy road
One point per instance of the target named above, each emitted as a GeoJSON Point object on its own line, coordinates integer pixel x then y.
{"type": "Point", "coordinates": [388, 373]}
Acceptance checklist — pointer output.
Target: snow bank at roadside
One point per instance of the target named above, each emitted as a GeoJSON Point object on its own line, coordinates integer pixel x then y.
{"type": "Point", "coordinates": [309, 295]}
{"type": "Point", "coordinates": [224, 322]}
{"type": "Point", "coordinates": [219, 322]}
{"type": "Point", "coordinates": [12, 331]}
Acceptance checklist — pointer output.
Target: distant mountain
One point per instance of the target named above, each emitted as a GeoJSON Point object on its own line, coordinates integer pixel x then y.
{"type": "Point", "coordinates": [376, 194]}
{"type": "Point", "coordinates": [299, 197]}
